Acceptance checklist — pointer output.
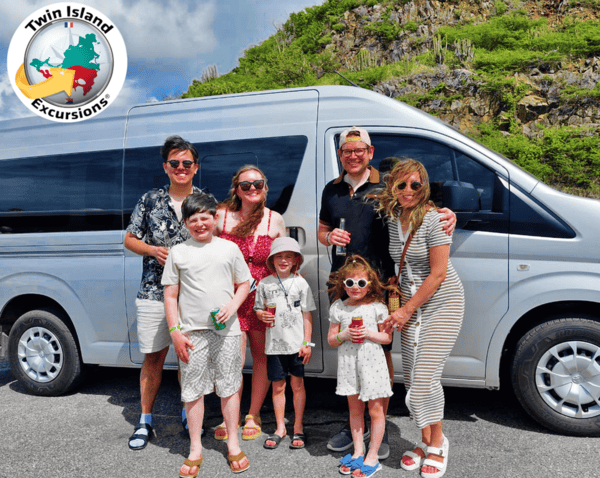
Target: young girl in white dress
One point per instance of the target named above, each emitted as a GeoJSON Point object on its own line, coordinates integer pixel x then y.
{"type": "Point", "coordinates": [357, 291]}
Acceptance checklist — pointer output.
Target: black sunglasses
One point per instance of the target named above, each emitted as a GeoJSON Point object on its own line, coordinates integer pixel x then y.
{"type": "Point", "coordinates": [258, 184]}
{"type": "Point", "coordinates": [415, 186]}
{"type": "Point", "coordinates": [187, 164]}
{"type": "Point", "coordinates": [362, 283]}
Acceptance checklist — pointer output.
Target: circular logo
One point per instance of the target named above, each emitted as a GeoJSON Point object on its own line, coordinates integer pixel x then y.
{"type": "Point", "coordinates": [67, 62]}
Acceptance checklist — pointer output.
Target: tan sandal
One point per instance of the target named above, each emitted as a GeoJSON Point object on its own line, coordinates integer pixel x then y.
{"type": "Point", "coordinates": [221, 431]}
{"type": "Point", "coordinates": [257, 428]}
{"type": "Point", "coordinates": [238, 458]}
{"type": "Point", "coordinates": [191, 464]}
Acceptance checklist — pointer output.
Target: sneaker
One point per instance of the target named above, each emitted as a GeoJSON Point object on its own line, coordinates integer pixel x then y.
{"type": "Point", "coordinates": [342, 441]}
{"type": "Point", "coordinates": [384, 449]}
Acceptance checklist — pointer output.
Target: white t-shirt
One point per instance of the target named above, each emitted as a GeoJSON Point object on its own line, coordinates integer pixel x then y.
{"type": "Point", "coordinates": [286, 337]}
{"type": "Point", "coordinates": [206, 274]}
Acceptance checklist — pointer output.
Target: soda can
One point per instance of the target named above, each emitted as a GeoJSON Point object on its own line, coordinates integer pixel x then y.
{"type": "Point", "coordinates": [357, 322]}
{"type": "Point", "coordinates": [271, 308]}
{"type": "Point", "coordinates": [213, 315]}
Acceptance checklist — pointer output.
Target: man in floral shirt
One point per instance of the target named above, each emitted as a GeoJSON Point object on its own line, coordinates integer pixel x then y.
{"type": "Point", "coordinates": [155, 226]}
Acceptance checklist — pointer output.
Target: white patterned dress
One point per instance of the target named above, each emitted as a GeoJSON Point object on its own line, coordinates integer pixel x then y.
{"type": "Point", "coordinates": [430, 334]}
{"type": "Point", "coordinates": [362, 368]}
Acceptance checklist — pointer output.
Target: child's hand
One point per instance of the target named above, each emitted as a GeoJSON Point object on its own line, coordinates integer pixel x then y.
{"type": "Point", "coordinates": [305, 353]}
{"type": "Point", "coordinates": [181, 344]}
{"type": "Point", "coordinates": [266, 317]}
{"type": "Point", "coordinates": [356, 333]}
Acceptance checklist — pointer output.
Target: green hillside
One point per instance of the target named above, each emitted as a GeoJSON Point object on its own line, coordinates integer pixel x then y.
{"type": "Point", "coordinates": [520, 77]}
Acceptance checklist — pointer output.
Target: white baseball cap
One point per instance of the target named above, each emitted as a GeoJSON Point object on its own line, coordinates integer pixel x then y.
{"type": "Point", "coordinates": [356, 134]}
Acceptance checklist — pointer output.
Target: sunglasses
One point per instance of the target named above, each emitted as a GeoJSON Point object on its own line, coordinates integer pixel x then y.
{"type": "Point", "coordinates": [415, 186]}
{"type": "Point", "coordinates": [362, 283]}
{"type": "Point", "coordinates": [245, 185]}
{"type": "Point", "coordinates": [187, 164]}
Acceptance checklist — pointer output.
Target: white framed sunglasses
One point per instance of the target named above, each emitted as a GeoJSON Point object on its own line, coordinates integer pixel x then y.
{"type": "Point", "coordinates": [362, 283]}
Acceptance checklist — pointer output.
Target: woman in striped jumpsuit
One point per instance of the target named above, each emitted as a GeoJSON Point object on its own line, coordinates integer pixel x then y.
{"type": "Point", "coordinates": [432, 311]}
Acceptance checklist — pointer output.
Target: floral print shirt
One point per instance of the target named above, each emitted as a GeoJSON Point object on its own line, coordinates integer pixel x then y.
{"type": "Point", "coordinates": [154, 221]}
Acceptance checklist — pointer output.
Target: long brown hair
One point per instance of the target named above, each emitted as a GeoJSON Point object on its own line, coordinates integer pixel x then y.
{"type": "Point", "coordinates": [388, 197]}
{"type": "Point", "coordinates": [353, 264]}
{"type": "Point", "coordinates": [234, 203]}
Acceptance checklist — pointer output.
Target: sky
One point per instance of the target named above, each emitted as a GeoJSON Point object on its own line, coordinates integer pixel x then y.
{"type": "Point", "coordinates": [169, 42]}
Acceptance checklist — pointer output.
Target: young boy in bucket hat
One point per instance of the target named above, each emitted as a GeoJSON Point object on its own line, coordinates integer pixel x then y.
{"type": "Point", "coordinates": [289, 329]}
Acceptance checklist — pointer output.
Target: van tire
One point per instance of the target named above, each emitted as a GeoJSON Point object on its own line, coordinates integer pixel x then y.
{"type": "Point", "coordinates": [568, 404]}
{"type": "Point", "coordinates": [43, 354]}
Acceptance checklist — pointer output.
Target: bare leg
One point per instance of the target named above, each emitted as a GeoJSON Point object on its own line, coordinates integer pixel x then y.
{"type": "Point", "coordinates": [377, 430]}
{"type": "Point", "coordinates": [297, 384]}
{"type": "Point", "coordinates": [357, 424]}
{"type": "Point", "coordinates": [195, 415]}
{"type": "Point", "coordinates": [279, 409]}
{"type": "Point", "coordinates": [151, 377]}
{"type": "Point", "coordinates": [436, 439]}
{"type": "Point", "coordinates": [260, 382]}
{"type": "Point", "coordinates": [230, 407]}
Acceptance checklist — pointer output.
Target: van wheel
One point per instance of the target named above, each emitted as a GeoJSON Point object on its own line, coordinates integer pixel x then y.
{"type": "Point", "coordinates": [555, 373]}
{"type": "Point", "coordinates": [43, 354]}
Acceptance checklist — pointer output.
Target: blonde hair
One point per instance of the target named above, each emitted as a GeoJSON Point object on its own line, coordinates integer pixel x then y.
{"type": "Point", "coordinates": [388, 197]}
{"type": "Point", "coordinates": [234, 203]}
{"type": "Point", "coordinates": [353, 264]}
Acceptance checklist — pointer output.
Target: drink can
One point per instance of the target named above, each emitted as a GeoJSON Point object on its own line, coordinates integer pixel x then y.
{"type": "Point", "coordinates": [357, 322]}
{"type": "Point", "coordinates": [213, 315]}
{"type": "Point", "coordinates": [341, 250]}
{"type": "Point", "coordinates": [271, 308]}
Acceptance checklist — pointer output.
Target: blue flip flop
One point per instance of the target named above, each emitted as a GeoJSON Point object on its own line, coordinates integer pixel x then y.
{"type": "Point", "coordinates": [367, 470]}
{"type": "Point", "coordinates": [351, 463]}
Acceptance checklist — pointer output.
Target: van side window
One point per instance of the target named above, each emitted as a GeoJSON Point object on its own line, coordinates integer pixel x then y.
{"type": "Point", "coordinates": [61, 193]}
{"type": "Point", "coordinates": [278, 157]}
{"type": "Point", "coordinates": [447, 166]}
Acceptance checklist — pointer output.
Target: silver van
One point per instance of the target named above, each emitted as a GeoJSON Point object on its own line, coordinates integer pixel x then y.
{"type": "Point", "coordinates": [528, 255]}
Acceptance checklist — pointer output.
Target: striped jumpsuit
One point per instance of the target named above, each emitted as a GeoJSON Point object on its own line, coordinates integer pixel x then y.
{"type": "Point", "coordinates": [429, 336]}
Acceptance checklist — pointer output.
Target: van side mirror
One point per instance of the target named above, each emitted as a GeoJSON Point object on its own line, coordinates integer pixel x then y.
{"type": "Point", "coordinates": [460, 197]}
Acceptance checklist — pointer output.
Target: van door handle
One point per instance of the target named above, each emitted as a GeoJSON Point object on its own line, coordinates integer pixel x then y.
{"type": "Point", "coordinates": [297, 233]}
{"type": "Point", "coordinates": [293, 232]}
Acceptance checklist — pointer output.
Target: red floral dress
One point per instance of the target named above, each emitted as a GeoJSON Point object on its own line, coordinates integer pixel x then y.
{"type": "Point", "coordinates": [255, 254]}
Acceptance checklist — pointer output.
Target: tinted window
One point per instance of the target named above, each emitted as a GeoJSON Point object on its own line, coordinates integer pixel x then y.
{"type": "Point", "coordinates": [279, 158]}
{"type": "Point", "coordinates": [71, 192]}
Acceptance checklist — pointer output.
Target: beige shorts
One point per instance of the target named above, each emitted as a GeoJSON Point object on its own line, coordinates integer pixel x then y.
{"type": "Point", "coordinates": [215, 365]}
{"type": "Point", "coordinates": [152, 329]}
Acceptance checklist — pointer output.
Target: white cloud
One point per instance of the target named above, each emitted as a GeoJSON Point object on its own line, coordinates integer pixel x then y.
{"type": "Point", "coordinates": [153, 30]}
{"type": "Point", "coordinates": [10, 105]}
{"type": "Point", "coordinates": [132, 94]}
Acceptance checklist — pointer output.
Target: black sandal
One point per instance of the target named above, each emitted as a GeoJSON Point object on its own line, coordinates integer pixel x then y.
{"type": "Point", "coordinates": [141, 436]}
{"type": "Point", "coordinates": [298, 437]}
{"type": "Point", "coordinates": [274, 437]}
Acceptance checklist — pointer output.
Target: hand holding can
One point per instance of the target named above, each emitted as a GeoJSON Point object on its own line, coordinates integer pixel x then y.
{"type": "Point", "coordinates": [271, 308]}
{"type": "Point", "coordinates": [218, 325]}
{"type": "Point", "coordinates": [355, 324]}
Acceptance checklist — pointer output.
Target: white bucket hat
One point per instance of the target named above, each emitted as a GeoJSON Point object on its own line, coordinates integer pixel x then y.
{"type": "Point", "coordinates": [283, 244]}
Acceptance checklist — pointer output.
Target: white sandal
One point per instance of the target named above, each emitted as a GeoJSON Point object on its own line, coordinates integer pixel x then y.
{"type": "Point", "coordinates": [414, 457]}
{"type": "Point", "coordinates": [440, 465]}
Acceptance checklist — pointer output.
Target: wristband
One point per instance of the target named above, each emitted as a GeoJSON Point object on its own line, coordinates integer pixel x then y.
{"type": "Point", "coordinates": [337, 336]}
{"type": "Point", "coordinates": [174, 328]}
{"type": "Point", "coordinates": [308, 344]}
{"type": "Point", "coordinates": [327, 238]}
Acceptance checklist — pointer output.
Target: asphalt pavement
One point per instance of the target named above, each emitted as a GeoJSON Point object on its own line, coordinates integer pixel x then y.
{"type": "Point", "coordinates": [84, 434]}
